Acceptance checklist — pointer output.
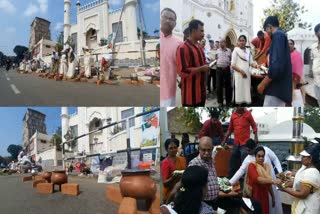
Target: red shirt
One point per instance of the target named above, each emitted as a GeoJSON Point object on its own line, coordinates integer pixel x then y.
{"type": "Point", "coordinates": [210, 129]}
{"type": "Point", "coordinates": [264, 46]}
{"type": "Point", "coordinates": [193, 85]}
{"type": "Point", "coordinates": [240, 126]}
{"type": "Point", "coordinates": [256, 42]}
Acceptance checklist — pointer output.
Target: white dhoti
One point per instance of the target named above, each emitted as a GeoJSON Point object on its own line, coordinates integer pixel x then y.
{"type": "Point", "coordinates": [87, 66]}
{"type": "Point", "coordinates": [63, 66]}
{"type": "Point", "coordinates": [28, 68]}
{"type": "Point", "coordinates": [71, 69]}
{"type": "Point", "coordinates": [22, 66]}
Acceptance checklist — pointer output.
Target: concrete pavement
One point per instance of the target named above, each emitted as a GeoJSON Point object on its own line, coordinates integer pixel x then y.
{"type": "Point", "coordinates": [17, 197]}
{"type": "Point", "coordinates": [30, 90]}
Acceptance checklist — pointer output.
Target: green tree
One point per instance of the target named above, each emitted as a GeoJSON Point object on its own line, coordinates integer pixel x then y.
{"type": "Point", "coordinates": [192, 116]}
{"type": "Point", "coordinates": [56, 139]}
{"type": "Point", "coordinates": [2, 58]}
{"type": "Point", "coordinates": [14, 150]}
{"type": "Point", "coordinates": [288, 13]}
{"type": "Point", "coordinates": [312, 118]}
{"type": "Point", "coordinates": [60, 40]}
{"type": "Point", "coordinates": [20, 51]}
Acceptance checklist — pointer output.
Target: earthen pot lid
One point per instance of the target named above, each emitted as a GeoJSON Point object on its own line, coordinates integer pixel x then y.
{"type": "Point", "coordinates": [59, 171]}
{"type": "Point", "coordinates": [135, 171]}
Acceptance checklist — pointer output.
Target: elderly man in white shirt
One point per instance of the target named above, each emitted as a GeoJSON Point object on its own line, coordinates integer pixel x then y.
{"type": "Point", "coordinates": [270, 158]}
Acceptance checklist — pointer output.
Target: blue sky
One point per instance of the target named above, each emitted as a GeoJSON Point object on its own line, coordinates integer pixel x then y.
{"type": "Point", "coordinates": [16, 17]}
{"type": "Point", "coordinates": [11, 124]}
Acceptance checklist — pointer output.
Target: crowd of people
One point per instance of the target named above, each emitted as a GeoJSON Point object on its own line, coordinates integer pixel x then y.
{"type": "Point", "coordinates": [23, 164]}
{"type": "Point", "coordinates": [67, 65]}
{"type": "Point", "coordinates": [191, 186]}
{"type": "Point", "coordinates": [264, 71]}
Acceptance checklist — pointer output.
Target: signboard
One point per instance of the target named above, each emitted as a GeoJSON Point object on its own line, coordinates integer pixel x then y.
{"type": "Point", "coordinates": [150, 128]}
{"type": "Point", "coordinates": [148, 155]}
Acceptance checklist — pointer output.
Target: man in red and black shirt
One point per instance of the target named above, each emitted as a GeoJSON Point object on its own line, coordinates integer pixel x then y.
{"type": "Point", "coordinates": [192, 67]}
{"type": "Point", "coordinates": [240, 123]}
{"type": "Point", "coordinates": [212, 128]}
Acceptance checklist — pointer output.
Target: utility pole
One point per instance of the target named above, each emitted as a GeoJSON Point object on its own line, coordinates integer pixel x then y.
{"type": "Point", "coordinates": [143, 57]}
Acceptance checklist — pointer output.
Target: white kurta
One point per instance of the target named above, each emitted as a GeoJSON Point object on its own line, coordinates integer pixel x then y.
{"type": "Point", "coordinates": [270, 157]}
{"type": "Point", "coordinates": [242, 59]}
{"type": "Point", "coordinates": [311, 204]}
{"type": "Point", "coordinates": [22, 66]}
{"type": "Point", "coordinates": [71, 68]}
{"type": "Point", "coordinates": [63, 65]}
{"type": "Point", "coordinates": [87, 66]}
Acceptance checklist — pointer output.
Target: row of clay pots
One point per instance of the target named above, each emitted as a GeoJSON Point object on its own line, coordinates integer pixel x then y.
{"type": "Point", "coordinates": [56, 177]}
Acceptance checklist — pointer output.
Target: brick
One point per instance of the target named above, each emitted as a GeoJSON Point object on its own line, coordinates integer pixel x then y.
{"type": "Point", "coordinates": [113, 194]}
{"type": "Point", "coordinates": [36, 182]}
{"type": "Point", "coordinates": [27, 178]}
{"type": "Point", "coordinates": [155, 206]}
{"type": "Point", "coordinates": [70, 189]}
{"type": "Point", "coordinates": [45, 188]}
{"type": "Point", "coordinates": [38, 177]}
{"type": "Point", "coordinates": [128, 206]}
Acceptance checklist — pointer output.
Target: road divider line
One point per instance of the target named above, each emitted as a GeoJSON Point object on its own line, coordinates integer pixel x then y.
{"type": "Point", "coordinates": [8, 78]}
{"type": "Point", "coordinates": [14, 88]}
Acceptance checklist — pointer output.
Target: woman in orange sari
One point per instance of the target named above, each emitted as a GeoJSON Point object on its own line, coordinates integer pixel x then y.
{"type": "Point", "coordinates": [169, 166]}
{"type": "Point", "coordinates": [258, 181]}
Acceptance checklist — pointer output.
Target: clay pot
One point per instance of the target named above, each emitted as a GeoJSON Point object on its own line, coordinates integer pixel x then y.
{"type": "Point", "coordinates": [137, 184]}
{"type": "Point", "coordinates": [59, 177]}
{"type": "Point", "coordinates": [47, 176]}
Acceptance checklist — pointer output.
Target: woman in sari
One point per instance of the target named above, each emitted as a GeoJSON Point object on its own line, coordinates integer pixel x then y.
{"type": "Point", "coordinates": [169, 165]}
{"type": "Point", "coordinates": [258, 181]}
{"type": "Point", "coordinates": [306, 186]}
{"type": "Point", "coordinates": [241, 62]}
{"type": "Point", "coordinates": [297, 71]}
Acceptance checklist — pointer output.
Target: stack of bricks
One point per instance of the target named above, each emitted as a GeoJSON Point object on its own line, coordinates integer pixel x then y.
{"type": "Point", "coordinates": [38, 177]}
{"type": "Point", "coordinates": [155, 206]}
{"type": "Point", "coordinates": [128, 206]}
{"type": "Point", "coordinates": [27, 178]}
{"type": "Point", "coordinates": [45, 188]}
{"type": "Point", "coordinates": [70, 189]}
{"type": "Point", "coordinates": [36, 182]}
{"type": "Point", "coordinates": [113, 194]}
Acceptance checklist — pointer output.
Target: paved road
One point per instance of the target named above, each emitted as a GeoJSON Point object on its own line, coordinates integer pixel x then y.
{"type": "Point", "coordinates": [30, 90]}
{"type": "Point", "coordinates": [17, 197]}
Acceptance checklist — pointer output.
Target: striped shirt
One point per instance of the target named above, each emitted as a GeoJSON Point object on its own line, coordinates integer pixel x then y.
{"type": "Point", "coordinates": [193, 86]}
{"type": "Point", "coordinates": [224, 58]}
{"type": "Point", "coordinates": [213, 186]}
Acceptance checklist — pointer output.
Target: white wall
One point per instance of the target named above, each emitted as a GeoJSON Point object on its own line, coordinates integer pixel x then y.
{"type": "Point", "coordinates": [108, 142]}
{"type": "Point", "coordinates": [188, 9]}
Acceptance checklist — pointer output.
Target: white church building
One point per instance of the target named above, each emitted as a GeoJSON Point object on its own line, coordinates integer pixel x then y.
{"type": "Point", "coordinates": [303, 39]}
{"type": "Point", "coordinates": [226, 19]}
{"type": "Point", "coordinates": [108, 140]}
{"type": "Point", "coordinates": [96, 22]}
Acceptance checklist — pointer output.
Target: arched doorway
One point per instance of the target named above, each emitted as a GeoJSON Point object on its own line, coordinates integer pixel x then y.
{"type": "Point", "coordinates": [307, 56]}
{"type": "Point", "coordinates": [95, 140]}
{"type": "Point", "coordinates": [92, 38]}
{"type": "Point", "coordinates": [231, 39]}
